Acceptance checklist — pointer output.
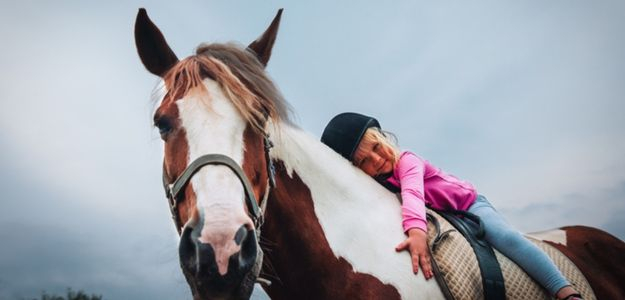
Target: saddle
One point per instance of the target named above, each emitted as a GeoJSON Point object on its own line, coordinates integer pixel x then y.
{"type": "Point", "coordinates": [468, 268]}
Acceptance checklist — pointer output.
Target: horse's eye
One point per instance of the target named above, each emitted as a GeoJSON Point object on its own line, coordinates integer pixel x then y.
{"type": "Point", "coordinates": [164, 126]}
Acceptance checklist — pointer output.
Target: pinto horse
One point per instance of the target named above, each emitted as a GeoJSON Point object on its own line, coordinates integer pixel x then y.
{"type": "Point", "coordinates": [233, 159]}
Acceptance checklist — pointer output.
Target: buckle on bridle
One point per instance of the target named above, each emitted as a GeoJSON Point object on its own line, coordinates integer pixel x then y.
{"type": "Point", "coordinates": [173, 204]}
{"type": "Point", "coordinates": [271, 169]}
{"type": "Point", "coordinates": [261, 219]}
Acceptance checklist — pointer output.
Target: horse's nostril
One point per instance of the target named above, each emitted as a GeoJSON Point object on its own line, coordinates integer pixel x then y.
{"type": "Point", "coordinates": [240, 235]}
{"type": "Point", "coordinates": [205, 259]}
{"type": "Point", "coordinates": [186, 249]}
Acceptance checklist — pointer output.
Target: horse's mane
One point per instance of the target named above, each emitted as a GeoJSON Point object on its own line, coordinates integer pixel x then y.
{"type": "Point", "coordinates": [241, 76]}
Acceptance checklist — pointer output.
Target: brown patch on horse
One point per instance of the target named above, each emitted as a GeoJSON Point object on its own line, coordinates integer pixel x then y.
{"type": "Point", "coordinates": [176, 156]}
{"type": "Point", "coordinates": [600, 256]}
{"type": "Point", "coordinates": [298, 258]}
{"type": "Point", "coordinates": [254, 164]}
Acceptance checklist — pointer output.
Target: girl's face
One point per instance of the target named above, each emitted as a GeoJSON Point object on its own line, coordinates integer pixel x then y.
{"type": "Point", "coordinates": [374, 158]}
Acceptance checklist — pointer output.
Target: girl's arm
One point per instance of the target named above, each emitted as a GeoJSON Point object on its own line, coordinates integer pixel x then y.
{"type": "Point", "coordinates": [410, 171]}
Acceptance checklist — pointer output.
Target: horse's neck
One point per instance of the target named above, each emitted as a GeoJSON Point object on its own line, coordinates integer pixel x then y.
{"type": "Point", "coordinates": [299, 259]}
{"type": "Point", "coordinates": [327, 218]}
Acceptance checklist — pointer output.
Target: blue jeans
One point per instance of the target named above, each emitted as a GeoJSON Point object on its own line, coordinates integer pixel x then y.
{"type": "Point", "coordinates": [517, 248]}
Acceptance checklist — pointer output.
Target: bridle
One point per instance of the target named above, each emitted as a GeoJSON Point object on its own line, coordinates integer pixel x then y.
{"type": "Point", "coordinates": [173, 190]}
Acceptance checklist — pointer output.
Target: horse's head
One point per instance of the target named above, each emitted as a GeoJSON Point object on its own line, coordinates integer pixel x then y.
{"type": "Point", "coordinates": [216, 102]}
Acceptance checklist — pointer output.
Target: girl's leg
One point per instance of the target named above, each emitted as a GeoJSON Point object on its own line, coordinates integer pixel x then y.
{"type": "Point", "coordinates": [512, 244]}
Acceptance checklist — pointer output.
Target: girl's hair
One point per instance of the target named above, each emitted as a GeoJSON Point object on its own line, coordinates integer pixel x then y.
{"type": "Point", "coordinates": [376, 135]}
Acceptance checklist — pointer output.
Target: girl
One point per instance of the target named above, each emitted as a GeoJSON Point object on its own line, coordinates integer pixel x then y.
{"type": "Point", "coordinates": [359, 139]}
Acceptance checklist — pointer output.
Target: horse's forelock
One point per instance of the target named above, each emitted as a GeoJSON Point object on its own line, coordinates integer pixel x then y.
{"type": "Point", "coordinates": [241, 76]}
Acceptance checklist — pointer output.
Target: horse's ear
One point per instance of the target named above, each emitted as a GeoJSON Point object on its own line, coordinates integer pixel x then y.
{"type": "Point", "coordinates": [153, 50]}
{"type": "Point", "coordinates": [262, 46]}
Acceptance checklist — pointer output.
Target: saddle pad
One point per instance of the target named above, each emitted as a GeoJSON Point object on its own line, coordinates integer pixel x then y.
{"type": "Point", "coordinates": [459, 268]}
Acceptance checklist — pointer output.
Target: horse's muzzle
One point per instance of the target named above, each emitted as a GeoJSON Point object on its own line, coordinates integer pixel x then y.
{"type": "Point", "coordinates": [198, 262]}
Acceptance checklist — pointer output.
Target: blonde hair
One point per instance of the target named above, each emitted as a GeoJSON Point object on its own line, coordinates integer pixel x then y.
{"type": "Point", "coordinates": [375, 135]}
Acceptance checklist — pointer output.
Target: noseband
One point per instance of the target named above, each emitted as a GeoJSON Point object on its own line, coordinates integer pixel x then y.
{"type": "Point", "coordinates": [173, 190]}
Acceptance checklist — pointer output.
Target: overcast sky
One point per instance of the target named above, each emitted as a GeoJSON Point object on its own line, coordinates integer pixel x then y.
{"type": "Point", "coordinates": [524, 99]}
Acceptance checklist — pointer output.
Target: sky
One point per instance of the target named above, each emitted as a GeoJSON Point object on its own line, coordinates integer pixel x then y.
{"type": "Point", "coordinates": [523, 99]}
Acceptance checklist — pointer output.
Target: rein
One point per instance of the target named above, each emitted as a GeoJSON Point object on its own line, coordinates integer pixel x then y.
{"type": "Point", "coordinates": [173, 190]}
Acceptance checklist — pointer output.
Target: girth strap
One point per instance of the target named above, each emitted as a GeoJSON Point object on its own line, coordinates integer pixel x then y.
{"type": "Point", "coordinates": [492, 278]}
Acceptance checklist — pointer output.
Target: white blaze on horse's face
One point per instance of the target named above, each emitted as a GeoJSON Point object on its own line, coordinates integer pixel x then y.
{"type": "Point", "coordinates": [213, 125]}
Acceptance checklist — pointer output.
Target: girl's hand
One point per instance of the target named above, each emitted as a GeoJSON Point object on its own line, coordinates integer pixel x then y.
{"type": "Point", "coordinates": [417, 245]}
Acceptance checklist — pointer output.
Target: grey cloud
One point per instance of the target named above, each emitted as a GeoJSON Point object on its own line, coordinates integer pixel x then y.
{"type": "Point", "coordinates": [50, 242]}
{"type": "Point", "coordinates": [600, 208]}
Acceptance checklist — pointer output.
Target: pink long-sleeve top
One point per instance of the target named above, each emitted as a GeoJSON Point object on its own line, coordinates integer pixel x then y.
{"type": "Point", "coordinates": [422, 183]}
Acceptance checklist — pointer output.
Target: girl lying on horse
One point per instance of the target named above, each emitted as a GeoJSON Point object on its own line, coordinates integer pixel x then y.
{"type": "Point", "coordinates": [359, 138]}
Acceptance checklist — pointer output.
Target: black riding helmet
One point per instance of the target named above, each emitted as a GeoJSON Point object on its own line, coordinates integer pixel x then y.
{"type": "Point", "coordinates": [344, 132]}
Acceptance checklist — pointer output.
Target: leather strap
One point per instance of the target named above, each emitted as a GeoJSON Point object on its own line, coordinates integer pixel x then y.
{"type": "Point", "coordinates": [174, 189]}
{"type": "Point", "coordinates": [389, 186]}
{"type": "Point", "coordinates": [492, 278]}
{"type": "Point", "coordinates": [438, 274]}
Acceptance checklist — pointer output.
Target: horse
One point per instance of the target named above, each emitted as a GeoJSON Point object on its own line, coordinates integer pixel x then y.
{"type": "Point", "coordinates": [239, 174]}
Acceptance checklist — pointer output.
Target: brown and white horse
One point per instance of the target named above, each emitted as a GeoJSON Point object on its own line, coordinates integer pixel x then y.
{"type": "Point", "coordinates": [329, 229]}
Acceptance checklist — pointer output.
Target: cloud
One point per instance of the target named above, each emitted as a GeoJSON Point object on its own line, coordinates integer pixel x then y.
{"type": "Point", "coordinates": [600, 208]}
{"type": "Point", "coordinates": [615, 223]}
{"type": "Point", "coordinates": [35, 258]}
{"type": "Point", "coordinates": [52, 239]}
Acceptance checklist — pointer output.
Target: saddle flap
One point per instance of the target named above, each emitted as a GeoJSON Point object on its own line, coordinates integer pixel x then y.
{"type": "Point", "coordinates": [456, 264]}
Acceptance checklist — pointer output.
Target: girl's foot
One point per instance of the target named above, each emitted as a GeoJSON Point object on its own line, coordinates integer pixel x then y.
{"type": "Point", "coordinates": [568, 293]}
